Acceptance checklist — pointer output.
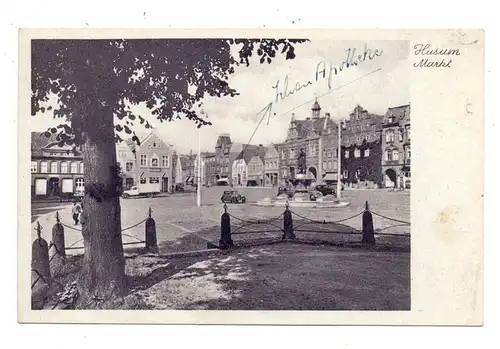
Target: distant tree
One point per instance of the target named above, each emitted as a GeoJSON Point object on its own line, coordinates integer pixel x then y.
{"type": "Point", "coordinates": [96, 80]}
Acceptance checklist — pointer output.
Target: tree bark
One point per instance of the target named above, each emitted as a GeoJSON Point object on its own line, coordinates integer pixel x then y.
{"type": "Point", "coordinates": [102, 276]}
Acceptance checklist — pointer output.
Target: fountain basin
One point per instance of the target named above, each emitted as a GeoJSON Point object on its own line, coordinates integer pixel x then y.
{"type": "Point", "coordinates": [268, 202]}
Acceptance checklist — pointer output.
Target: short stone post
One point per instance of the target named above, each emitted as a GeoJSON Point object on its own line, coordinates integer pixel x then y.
{"type": "Point", "coordinates": [58, 256]}
{"type": "Point", "coordinates": [151, 242]}
{"type": "Point", "coordinates": [288, 232]}
{"type": "Point", "coordinates": [58, 237]}
{"type": "Point", "coordinates": [225, 241]}
{"type": "Point", "coordinates": [368, 232]}
{"type": "Point", "coordinates": [40, 264]}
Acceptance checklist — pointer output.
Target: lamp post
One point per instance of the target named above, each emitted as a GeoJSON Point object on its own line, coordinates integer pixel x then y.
{"type": "Point", "coordinates": [339, 159]}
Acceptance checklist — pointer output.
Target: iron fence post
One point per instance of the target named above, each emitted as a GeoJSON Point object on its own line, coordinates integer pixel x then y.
{"type": "Point", "coordinates": [368, 232]}
{"type": "Point", "coordinates": [225, 241]}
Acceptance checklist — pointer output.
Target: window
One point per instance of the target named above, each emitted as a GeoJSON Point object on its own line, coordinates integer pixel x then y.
{"type": "Point", "coordinates": [408, 134]}
{"type": "Point", "coordinates": [164, 161]}
{"type": "Point", "coordinates": [74, 167]}
{"type": "Point", "coordinates": [34, 166]}
{"type": "Point", "coordinates": [389, 136]}
{"type": "Point", "coordinates": [64, 167]}
{"type": "Point", "coordinates": [43, 167]}
{"type": "Point", "coordinates": [408, 153]}
{"type": "Point", "coordinates": [79, 183]}
{"type": "Point", "coordinates": [346, 154]}
{"type": "Point", "coordinates": [283, 154]}
{"type": "Point", "coordinates": [292, 152]}
{"type": "Point", "coordinates": [395, 155]}
{"type": "Point", "coordinates": [53, 167]}
{"type": "Point", "coordinates": [129, 166]}
{"type": "Point", "coordinates": [357, 153]}
{"type": "Point", "coordinates": [154, 161]}
{"type": "Point", "coordinates": [367, 153]}
{"type": "Point", "coordinates": [358, 173]}
{"type": "Point", "coordinates": [144, 159]}
{"type": "Point", "coordinates": [329, 166]}
{"type": "Point", "coordinates": [154, 180]}
{"type": "Point", "coordinates": [345, 174]}
{"type": "Point", "coordinates": [143, 181]}
{"type": "Point", "coordinates": [81, 167]}
{"type": "Point", "coordinates": [400, 134]}
{"type": "Point", "coordinates": [324, 165]}
{"type": "Point", "coordinates": [388, 155]}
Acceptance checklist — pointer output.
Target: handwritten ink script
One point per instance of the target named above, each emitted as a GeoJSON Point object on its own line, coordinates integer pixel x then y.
{"type": "Point", "coordinates": [427, 50]}
{"type": "Point", "coordinates": [324, 72]}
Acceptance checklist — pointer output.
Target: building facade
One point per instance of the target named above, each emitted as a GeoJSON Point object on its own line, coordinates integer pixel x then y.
{"type": "Point", "coordinates": [126, 158]}
{"type": "Point", "coordinates": [154, 162]}
{"type": "Point", "coordinates": [362, 149]}
{"type": "Point", "coordinates": [188, 168]}
{"type": "Point", "coordinates": [309, 135]}
{"type": "Point", "coordinates": [255, 168]}
{"type": "Point", "coordinates": [212, 170]}
{"type": "Point", "coordinates": [396, 147]}
{"type": "Point", "coordinates": [56, 171]}
{"type": "Point", "coordinates": [271, 166]}
{"type": "Point", "coordinates": [239, 167]}
{"type": "Point", "coordinates": [222, 158]}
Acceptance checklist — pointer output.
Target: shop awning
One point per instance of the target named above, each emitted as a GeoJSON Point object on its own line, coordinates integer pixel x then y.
{"type": "Point", "coordinates": [331, 177]}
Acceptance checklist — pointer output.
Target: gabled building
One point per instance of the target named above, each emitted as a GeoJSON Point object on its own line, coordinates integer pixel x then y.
{"type": "Point", "coordinates": [271, 166]}
{"type": "Point", "coordinates": [239, 167]}
{"type": "Point", "coordinates": [56, 169]}
{"type": "Point", "coordinates": [154, 162]}
{"type": "Point", "coordinates": [209, 168]}
{"type": "Point", "coordinates": [362, 149]}
{"type": "Point", "coordinates": [396, 147]}
{"type": "Point", "coordinates": [255, 167]}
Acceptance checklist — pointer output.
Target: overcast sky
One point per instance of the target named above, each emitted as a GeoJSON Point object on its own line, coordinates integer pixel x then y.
{"type": "Point", "coordinates": [373, 89]}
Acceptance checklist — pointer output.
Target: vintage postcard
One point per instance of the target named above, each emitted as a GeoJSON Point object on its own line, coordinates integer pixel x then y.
{"type": "Point", "coordinates": [251, 176]}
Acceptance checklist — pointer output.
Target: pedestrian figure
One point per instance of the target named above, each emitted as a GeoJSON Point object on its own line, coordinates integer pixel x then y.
{"type": "Point", "coordinates": [76, 210]}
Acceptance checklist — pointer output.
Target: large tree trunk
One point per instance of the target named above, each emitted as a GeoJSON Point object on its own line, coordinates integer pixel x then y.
{"type": "Point", "coordinates": [103, 272]}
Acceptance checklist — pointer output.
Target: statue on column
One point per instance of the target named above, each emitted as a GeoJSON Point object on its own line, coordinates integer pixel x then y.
{"type": "Point", "coordinates": [302, 161]}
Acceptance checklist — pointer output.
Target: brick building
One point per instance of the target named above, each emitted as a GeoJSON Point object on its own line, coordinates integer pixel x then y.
{"type": "Point", "coordinates": [56, 171]}
{"type": "Point", "coordinates": [396, 147]}
{"type": "Point", "coordinates": [362, 149]}
{"type": "Point", "coordinates": [308, 134]}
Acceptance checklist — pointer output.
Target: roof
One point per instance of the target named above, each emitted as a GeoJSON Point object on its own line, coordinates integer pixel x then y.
{"type": "Point", "coordinates": [185, 159]}
{"type": "Point", "coordinates": [399, 111]}
{"type": "Point", "coordinates": [304, 126]}
{"type": "Point", "coordinates": [247, 153]}
{"type": "Point", "coordinates": [39, 140]}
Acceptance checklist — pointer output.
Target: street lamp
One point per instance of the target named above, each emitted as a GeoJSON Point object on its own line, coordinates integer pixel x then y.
{"type": "Point", "coordinates": [339, 159]}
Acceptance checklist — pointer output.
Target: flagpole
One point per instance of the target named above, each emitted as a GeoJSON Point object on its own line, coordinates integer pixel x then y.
{"type": "Point", "coordinates": [198, 187]}
{"type": "Point", "coordinates": [339, 160]}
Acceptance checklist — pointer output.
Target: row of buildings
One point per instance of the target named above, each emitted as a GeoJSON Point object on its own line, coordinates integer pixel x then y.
{"type": "Point", "coordinates": [375, 152]}
{"type": "Point", "coordinates": [57, 170]}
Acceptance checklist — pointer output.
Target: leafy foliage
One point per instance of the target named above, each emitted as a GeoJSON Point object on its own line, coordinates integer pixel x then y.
{"type": "Point", "coordinates": [170, 76]}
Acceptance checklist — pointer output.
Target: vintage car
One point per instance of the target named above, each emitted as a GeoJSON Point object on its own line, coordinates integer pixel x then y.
{"type": "Point", "coordinates": [233, 196]}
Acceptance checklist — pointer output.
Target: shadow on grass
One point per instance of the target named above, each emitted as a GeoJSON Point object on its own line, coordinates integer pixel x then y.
{"type": "Point", "coordinates": [296, 277]}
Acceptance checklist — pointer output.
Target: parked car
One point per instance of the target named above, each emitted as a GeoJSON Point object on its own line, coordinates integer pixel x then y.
{"type": "Point", "coordinates": [326, 189]}
{"type": "Point", "coordinates": [233, 196]}
{"type": "Point", "coordinates": [179, 187]}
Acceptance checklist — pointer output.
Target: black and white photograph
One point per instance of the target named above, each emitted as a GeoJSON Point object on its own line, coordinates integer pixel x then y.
{"type": "Point", "coordinates": [220, 174]}
{"type": "Point", "coordinates": [245, 173]}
